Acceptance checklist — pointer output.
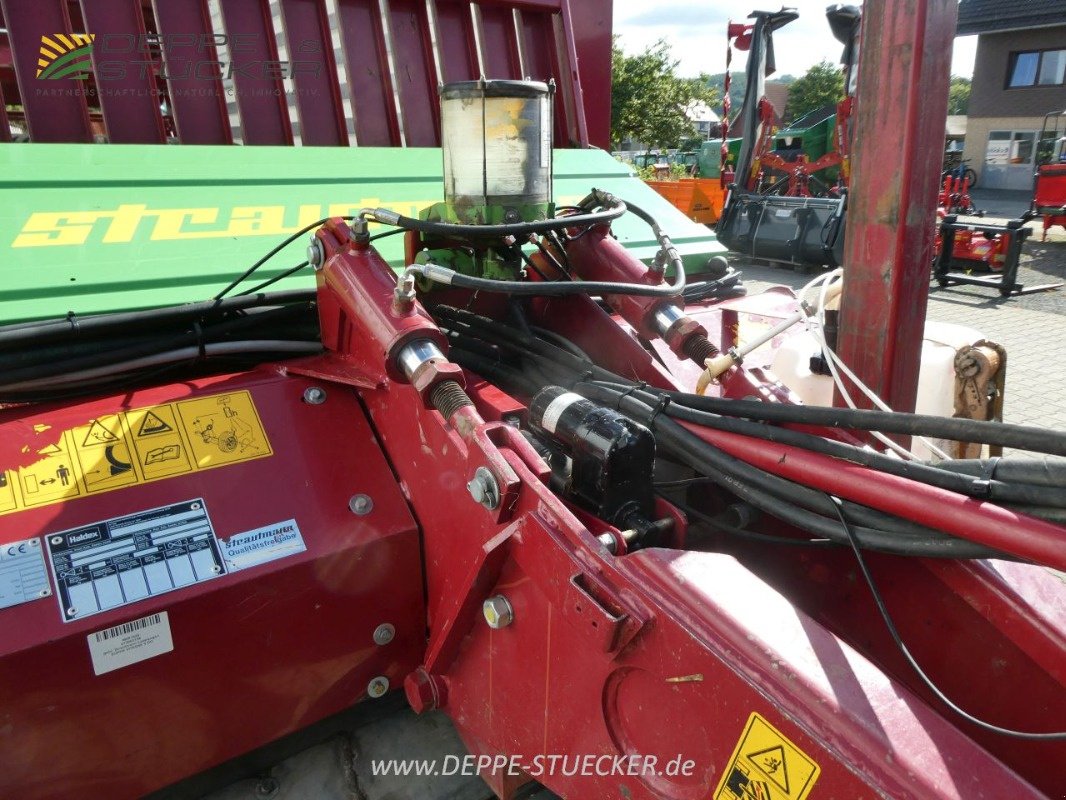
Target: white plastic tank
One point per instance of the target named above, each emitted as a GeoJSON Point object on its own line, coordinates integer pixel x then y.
{"type": "Point", "coordinates": [936, 376]}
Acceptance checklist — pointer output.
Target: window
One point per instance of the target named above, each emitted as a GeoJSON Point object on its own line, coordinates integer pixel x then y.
{"type": "Point", "coordinates": [1037, 68]}
{"type": "Point", "coordinates": [1010, 148]}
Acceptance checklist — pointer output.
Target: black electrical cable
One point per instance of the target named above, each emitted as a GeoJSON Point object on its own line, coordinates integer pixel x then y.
{"type": "Point", "coordinates": [277, 249]}
{"type": "Point", "coordinates": [281, 276]}
{"type": "Point", "coordinates": [382, 235]}
{"type": "Point", "coordinates": [551, 258]}
{"type": "Point", "coordinates": [894, 633]}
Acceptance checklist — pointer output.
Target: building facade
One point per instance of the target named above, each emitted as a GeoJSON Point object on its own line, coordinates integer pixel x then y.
{"type": "Point", "coordinates": [1019, 77]}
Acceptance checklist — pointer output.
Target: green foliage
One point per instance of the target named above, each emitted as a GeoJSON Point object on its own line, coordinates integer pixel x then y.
{"type": "Point", "coordinates": [648, 100]}
{"type": "Point", "coordinates": [958, 95]}
{"type": "Point", "coordinates": [823, 85]}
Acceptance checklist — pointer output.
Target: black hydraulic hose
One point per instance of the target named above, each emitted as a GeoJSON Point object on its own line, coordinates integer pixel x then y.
{"type": "Point", "coordinates": [1021, 437]}
{"type": "Point", "coordinates": [997, 490]}
{"type": "Point", "coordinates": [75, 327]}
{"type": "Point", "coordinates": [901, 537]}
{"type": "Point", "coordinates": [735, 471]}
{"type": "Point", "coordinates": [697, 454]}
{"type": "Point", "coordinates": [1041, 471]}
{"type": "Point", "coordinates": [553, 288]}
{"type": "Point", "coordinates": [202, 335]}
{"type": "Point", "coordinates": [613, 209]}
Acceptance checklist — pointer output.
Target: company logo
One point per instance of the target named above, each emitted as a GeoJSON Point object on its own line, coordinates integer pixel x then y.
{"type": "Point", "coordinates": [65, 55]}
{"type": "Point", "coordinates": [87, 536]}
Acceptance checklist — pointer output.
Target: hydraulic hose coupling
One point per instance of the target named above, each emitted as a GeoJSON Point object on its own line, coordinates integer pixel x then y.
{"type": "Point", "coordinates": [682, 334]}
{"type": "Point", "coordinates": [435, 378]}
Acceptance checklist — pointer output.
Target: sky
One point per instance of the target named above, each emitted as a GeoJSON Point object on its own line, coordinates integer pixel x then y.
{"type": "Point", "coordinates": [695, 30]}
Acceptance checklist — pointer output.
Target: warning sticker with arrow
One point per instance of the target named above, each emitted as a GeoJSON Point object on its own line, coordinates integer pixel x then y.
{"type": "Point", "coordinates": [767, 766]}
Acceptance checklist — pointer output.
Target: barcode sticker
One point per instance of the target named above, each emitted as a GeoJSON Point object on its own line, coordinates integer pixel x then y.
{"type": "Point", "coordinates": [131, 642]}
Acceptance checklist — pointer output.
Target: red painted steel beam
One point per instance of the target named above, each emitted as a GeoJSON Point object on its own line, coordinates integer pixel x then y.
{"type": "Point", "coordinates": [261, 97]}
{"type": "Point", "coordinates": [55, 109]}
{"type": "Point", "coordinates": [197, 100]}
{"type": "Point", "coordinates": [591, 31]}
{"type": "Point", "coordinates": [899, 139]}
{"type": "Point", "coordinates": [318, 94]}
{"type": "Point", "coordinates": [129, 96]}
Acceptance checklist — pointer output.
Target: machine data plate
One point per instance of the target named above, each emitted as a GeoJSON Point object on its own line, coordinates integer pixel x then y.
{"type": "Point", "coordinates": [23, 576]}
{"type": "Point", "coordinates": [119, 561]}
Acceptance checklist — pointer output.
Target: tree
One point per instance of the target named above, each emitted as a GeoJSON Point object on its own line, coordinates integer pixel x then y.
{"type": "Point", "coordinates": [648, 100]}
{"type": "Point", "coordinates": [958, 95]}
{"type": "Point", "coordinates": [823, 85]}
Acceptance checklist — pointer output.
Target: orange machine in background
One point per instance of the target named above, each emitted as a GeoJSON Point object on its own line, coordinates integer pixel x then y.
{"type": "Point", "coordinates": [699, 199]}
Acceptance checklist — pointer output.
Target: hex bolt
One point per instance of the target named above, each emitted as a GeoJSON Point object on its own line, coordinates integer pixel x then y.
{"type": "Point", "coordinates": [315, 254]}
{"type": "Point", "coordinates": [361, 504]}
{"type": "Point", "coordinates": [314, 396]}
{"type": "Point", "coordinates": [484, 489]}
{"type": "Point", "coordinates": [384, 633]}
{"type": "Point", "coordinates": [378, 687]}
{"type": "Point", "coordinates": [498, 612]}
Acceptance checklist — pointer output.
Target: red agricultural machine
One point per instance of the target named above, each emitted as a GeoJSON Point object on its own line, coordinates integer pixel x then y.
{"type": "Point", "coordinates": [476, 483]}
{"type": "Point", "coordinates": [1049, 182]}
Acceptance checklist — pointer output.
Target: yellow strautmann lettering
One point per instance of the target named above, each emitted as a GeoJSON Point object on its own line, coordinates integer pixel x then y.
{"type": "Point", "coordinates": [127, 222]}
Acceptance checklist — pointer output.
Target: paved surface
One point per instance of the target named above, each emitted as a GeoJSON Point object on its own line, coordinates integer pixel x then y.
{"type": "Point", "coordinates": [1031, 327]}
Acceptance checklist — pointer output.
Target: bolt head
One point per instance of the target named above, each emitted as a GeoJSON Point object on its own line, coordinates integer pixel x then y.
{"type": "Point", "coordinates": [315, 256]}
{"type": "Point", "coordinates": [484, 489]}
{"type": "Point", "coordinates": [361, 505]}
{"type": "Point", "coordinates": [498, 612]}
{"type": "Point", "coordinates": [314, 395]}
{"type": "Point", "coordinates": [378, 687]}
{"type": "Point", "coordinates": [384, 633]}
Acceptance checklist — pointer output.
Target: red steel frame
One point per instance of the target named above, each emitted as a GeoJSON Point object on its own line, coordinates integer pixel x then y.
{"type": "Point", "coordinates": [666, 652]}
{"type": "Point", "coordinates": [901, 103]}
{"type": "Point", "coordinates": [394, 100]}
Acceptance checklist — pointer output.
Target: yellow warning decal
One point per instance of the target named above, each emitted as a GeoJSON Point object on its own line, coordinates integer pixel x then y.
{"type": "Point", "coordinates": [766, 766]}
{"type": "Point", "coordinates": [131, 447]}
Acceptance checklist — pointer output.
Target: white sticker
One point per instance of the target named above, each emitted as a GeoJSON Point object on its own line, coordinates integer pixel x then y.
{"type": "Point", "coordinates": [133, 641]}
{"type": "Point", "coordinates": [255, 547]}
{"type": "Point", "coordinates": [550, 418]}
{"type": "Point", "coordinates": [23, 576]}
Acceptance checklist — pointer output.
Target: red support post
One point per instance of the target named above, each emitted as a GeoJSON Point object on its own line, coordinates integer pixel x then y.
{"type": "Point", "coordinates": [901, 106]}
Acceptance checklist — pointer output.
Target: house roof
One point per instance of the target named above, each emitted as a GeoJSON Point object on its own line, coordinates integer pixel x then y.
{"type": "Point", "coordinates": [777, 93]}
{"type": "Point", "coordinates": [994, 16]}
